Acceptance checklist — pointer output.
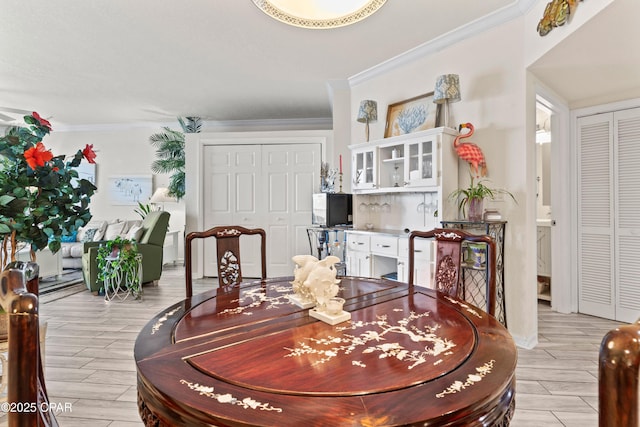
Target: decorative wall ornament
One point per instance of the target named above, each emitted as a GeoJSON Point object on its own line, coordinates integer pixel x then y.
{"type": "Point", "coordinates": [556, 14]}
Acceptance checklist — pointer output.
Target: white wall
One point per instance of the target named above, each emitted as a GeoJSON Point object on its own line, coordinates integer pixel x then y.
{"type": "Point", "coordinates": [494, 95]}
{"type": "Point", "coordinates": [123, 151]}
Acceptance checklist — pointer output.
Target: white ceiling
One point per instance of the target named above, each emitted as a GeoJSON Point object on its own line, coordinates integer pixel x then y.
{"type": "Point", "coordinates": [123, 61]}
{"type": "Point", "coordinates": [119, 61]}
{"type": "Point", "coordinates": [599, 62]}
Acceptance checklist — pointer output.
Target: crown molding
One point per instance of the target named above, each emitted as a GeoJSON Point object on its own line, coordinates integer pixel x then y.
{"type": "Point", "coordinates": [506, 14]}
{"type": "Point", "coordinates": [321, 123]}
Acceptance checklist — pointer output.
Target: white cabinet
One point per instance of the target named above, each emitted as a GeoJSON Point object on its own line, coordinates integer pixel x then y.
{"type": "Point", "coordinates": [374, 254]}
{"type": "Point", "coordinates": [423, 265]}
{"type": "Point", "coordinates": [358, 257]}
{"type": "Point", "coordinates": [365, 172]}
{"type": "Point", "coordinates": [406, 162]}
{"type": "Point", "coordinates": [544, 251]}
{"type": "Point", "coordinates": [423, 163]}
{"type": "Point", "coordinates": [544, 261]}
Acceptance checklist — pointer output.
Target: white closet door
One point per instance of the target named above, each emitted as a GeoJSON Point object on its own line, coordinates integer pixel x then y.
{"type": "Point", "coordinates": [596, 292]}
{"type": "Point", "coordinates": [290, 176]}
{"type": "Point", "coordinates": [231, 197]}
{"type": "Point", "coordinates": [267, 186]}
{"type": "Point", "coordinates": [627, 167]}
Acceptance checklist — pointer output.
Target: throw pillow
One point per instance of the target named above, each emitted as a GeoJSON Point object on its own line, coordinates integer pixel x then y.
{"type": "Point", "coordinates": [89, 235]}
{"type": "Point", "coordinates": [69, 238]}
{"type": "Point", "coordinates": [100, 233]}
{"type": "Point", "coordinates": [101, 226]}
{"type": "Point", "coordinates": [135, 233]}
{"type": "Point", "coordinates": [113, 230]}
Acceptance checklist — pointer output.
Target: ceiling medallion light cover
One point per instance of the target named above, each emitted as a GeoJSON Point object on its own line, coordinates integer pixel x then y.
{"type": "Point", "coordinates": [319, 14]}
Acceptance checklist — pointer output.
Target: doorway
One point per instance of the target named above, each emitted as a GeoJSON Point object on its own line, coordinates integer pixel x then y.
{"type": "Point", "coordinates": [543, 199]}
{"type": "Point", "coordinates": [555, 203]}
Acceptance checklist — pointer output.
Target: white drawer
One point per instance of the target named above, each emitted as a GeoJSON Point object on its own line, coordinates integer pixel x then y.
{"type": "Point", "coordinates": [384, 245]}
{"type": "Point", "coordinates": [358, 242]}
{"type": "Point", "coordinates": [422, 248]}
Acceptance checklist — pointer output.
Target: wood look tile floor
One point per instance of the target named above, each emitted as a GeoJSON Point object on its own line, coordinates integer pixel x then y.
{"type": "Point", "coordinates": [90, 367]}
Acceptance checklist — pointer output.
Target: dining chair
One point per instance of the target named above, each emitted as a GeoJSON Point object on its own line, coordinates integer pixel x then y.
{"type": "Point", "coordinates": [449, 261]}
{"type": "Point", "coordinates": [227, 253]}
{"type": "Point", "coordinates": [618, 369]}
{"type": "Point", "coordinates": [25, 377]}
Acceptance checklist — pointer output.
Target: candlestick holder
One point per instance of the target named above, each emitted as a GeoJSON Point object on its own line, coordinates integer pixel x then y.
{"type": "Point", "coordinates": [340, 175]}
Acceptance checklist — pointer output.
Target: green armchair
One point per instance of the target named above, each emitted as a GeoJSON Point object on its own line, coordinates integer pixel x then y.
{"type": "Point", "coordinates": [150, 245]}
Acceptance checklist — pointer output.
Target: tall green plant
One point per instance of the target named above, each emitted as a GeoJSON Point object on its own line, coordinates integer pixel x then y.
{"type": "Point", "coordinates": [41, 195]}
{"type": "Point", "coordinates": [170, 152]}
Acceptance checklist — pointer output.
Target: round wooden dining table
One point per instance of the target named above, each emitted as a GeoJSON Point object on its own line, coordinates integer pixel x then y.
{"type": "Point", "coordinates": [248, 356]}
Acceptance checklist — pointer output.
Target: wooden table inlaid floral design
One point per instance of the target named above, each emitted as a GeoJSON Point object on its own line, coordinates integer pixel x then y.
{"type": "Point", "coordinates": [248, 356]}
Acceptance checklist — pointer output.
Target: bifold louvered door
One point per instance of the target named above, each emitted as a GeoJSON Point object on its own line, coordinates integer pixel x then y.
{"type": "Point", "coordinates": [608, 215]}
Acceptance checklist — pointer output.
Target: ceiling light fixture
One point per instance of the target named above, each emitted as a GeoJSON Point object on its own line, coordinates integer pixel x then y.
{"type": "Point", "coordinates": [319, 14]}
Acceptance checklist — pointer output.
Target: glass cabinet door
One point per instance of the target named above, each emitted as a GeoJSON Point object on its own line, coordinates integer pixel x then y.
{"type": "Point", "coordinates": [422, 158]}
{"type": "Point", "coordinates": [364, 168]}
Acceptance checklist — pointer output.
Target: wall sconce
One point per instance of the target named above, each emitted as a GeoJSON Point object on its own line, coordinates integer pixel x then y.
{"type": "Point", "coordinates": [367, 113]}
{"type": "Point", "coordinates": [447, 91]}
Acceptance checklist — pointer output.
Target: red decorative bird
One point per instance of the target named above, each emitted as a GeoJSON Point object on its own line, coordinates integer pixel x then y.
{"type": "Point", "coordinates": [470, 152]}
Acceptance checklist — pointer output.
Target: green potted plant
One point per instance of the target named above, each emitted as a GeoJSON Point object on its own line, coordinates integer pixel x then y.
{"type": "Point", "coordinates": [471, 199]}
{"type": "Point", "coordinates": [120, 254]}
{"type": "Point", "coordinates": [170, 153]}
{"type": "Point", "coordinates": [42, 197]}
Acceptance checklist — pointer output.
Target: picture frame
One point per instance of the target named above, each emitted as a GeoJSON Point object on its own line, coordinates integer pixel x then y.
{"type": "Point", "coordinates": [130, 189]}
{"type": "Point", "coordinates": [412, 115]}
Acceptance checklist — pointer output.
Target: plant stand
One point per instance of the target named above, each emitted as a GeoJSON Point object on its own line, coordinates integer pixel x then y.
{"type": "Point", "coordinates": [120, 283]}
{"type": "Point", "coordinates": [475, 278]}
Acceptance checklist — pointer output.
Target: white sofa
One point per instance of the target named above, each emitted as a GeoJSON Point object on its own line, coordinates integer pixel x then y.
{"type": "Point", "coordinates": [95, 231]}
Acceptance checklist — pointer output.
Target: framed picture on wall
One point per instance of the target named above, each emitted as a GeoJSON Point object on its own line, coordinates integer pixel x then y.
{"type": "Point", "coordinates": [87, 171]}
{"type": "Point", "coordinates": [411, 115]}
{"type": "Point", "coordinates": [130, 189]}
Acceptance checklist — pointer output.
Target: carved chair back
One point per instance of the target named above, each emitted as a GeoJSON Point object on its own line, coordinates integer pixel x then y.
{"type": "Point", "coordinates": [449, 259]}
{"type": "Point", "coordinates": [19, 297]}
{"type": "Point", "coordinates": [618, 370]}
{"type": "Point", "coordinates": [227, 253]}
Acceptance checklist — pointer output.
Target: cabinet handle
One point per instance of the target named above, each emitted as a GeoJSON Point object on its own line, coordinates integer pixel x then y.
{"type": "Point", "coordinates": [400, 262]}
{"type": "Point", "coordinates": [417, 250]}
{"type": "Point", "coordinates": [360, 243]}
{"type": "Point", "coordinates": [383, 246]}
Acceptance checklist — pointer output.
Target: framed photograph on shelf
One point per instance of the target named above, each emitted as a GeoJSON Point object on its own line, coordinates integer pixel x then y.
{"type": "Point", "coordinates": [130, 189]}
{"type": "Point", "coordinates": [411, 115]}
